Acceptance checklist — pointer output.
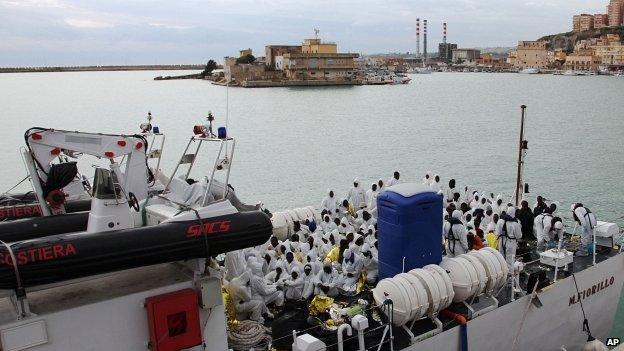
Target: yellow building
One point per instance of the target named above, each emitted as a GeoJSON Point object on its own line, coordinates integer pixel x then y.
{"type": "Point", "coordinates": [244, 52]}
{"type": "Point", "coordinates": [560, 55]}
{"type": "Point", "coordinates": [532, 54]}
{"type": "Point", "coordinates": [315, 46]}
{"type": "Point", "coordinates": [609, 50]}
{"type": "Point", "coordinates": [317, 61]}
{"type": "Point", "coordinates": [584, 60]}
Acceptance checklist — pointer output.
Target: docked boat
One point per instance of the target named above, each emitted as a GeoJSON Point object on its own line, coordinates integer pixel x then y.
{"type": "Point", "coordinates": [73, 193]}
{"type": "Point", "coordinates": [126, 226]}
{"type": "Point", "coordinates": [422, 70]}
{"type": "Point", "coordinates": [571, 73]}
{"type": "Point", "coordinates": [152, 284]}
{"type": "Point", "coordinates": [530, 71]}
{"type": "Point", "coordinates": [399, 79]}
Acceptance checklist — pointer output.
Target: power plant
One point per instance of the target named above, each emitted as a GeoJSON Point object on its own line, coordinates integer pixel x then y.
{"type": "Point", "coordinates": [445, 49]}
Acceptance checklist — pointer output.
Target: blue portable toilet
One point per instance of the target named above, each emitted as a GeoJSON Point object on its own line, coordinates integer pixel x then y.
{"type": "Point", "coordinates": [409, 228]}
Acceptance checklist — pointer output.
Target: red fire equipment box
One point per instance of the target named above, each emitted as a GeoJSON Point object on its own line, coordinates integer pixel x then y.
{"type": "Point", "coordinates": [173, 320]}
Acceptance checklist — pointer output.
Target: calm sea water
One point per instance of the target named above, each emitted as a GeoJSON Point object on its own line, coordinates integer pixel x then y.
{"type": "Point", "coordinates": [295, 143]}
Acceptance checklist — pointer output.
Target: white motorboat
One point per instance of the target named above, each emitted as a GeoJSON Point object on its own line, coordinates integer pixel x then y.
{"type": "Point", "coordinates": [422, 70]}
{"type": "Point", "coordinates": [530, 71]}
{"type": "Point", "coordinates": [571, 73]}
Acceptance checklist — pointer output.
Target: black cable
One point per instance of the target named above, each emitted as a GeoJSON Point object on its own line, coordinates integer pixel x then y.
{"type": "Point", "coordinates": [201, 232]}
{"type": "Point", "coordinates": [585, 321]}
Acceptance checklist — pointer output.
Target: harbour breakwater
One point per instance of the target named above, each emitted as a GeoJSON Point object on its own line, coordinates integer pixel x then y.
{"type": "Point", "coordinates": [97, 68]}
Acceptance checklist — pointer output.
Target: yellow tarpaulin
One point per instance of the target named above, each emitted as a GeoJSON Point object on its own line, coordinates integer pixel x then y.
{"type": "Point", "coordinates": [320, 304]}
{"type": "Point", "coordinates": [333, 255]}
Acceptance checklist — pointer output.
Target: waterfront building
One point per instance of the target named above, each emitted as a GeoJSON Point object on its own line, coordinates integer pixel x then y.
{"type": "Point", "coordinates": [465, 55]}
{"type": "Point", "coordinates": [511, 57]}
{"type": "Point", "coordinates": [314, 60]}
{"type": "Point", "coordinates": [445, 51]}
{"type": "Point", "coordinates": [601, 20]}
{"type": "Point", "coordinates": [318, 61]}
{"type": "Point", "coordinates": [584, 60]}
{"type": "Point", "coordinates": [615, 11]}
{"type": "Point", "coordinates": [582, 22]}
{"type": "Point", "coordinates": [532, 54]}
{"type": "Point", "coordinates": [610, 51]}
{"type": "Point", "coordinates": [273, 51]}
{"type": "Point", "coordinates": [236, 71]}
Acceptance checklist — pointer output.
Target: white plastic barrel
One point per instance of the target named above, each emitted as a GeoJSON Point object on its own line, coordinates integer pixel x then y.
{"type": "Point", "coordinates": [431, 286]}
{"type": "Point", "coordinates": [444, 284]}
{"type": "Point", "coordinates": [482, 274]}
{"type": "Point", "coordinates": [502, 265]}
{"type": "Point", "coordinates": [463, 276]}
{"type": "Point", "coordinates": [399, 291]}
{"type": "Point", "coordinates": [419, 293]}
{"type": "Point", "coordinates": [420, 302]}
{"type": "Point", "coordinates": [492, 267]}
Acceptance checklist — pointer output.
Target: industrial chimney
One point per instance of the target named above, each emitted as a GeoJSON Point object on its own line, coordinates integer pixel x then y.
{"type": "Point", "coordinates": [417, 37]}
{"type": "Point", "coordinates": [425, 41]}
{"type": "Point", "coordinates": [446, 49]}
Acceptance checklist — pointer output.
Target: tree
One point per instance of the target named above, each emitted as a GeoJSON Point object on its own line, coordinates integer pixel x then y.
{"type": "Point", "coordinates": [249, 58]}
{"type": "Point", "coordinates": [210, 66]}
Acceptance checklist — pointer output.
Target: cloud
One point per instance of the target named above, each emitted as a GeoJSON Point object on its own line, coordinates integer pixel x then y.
{"type": "Point", "coordinates": [197, 30]}
{"type": "Point", "coordinates": [87, 23]}
{"type": "Point", "coordinates": [169, 26]}
{"type": "Point", "coordinates": [34, 3]}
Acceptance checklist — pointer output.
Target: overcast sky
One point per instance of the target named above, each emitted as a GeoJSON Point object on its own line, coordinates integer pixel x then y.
{"type": "Point", "coordinates": [81, 32]}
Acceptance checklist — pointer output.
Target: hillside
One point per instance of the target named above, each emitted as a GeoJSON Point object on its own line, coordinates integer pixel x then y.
{"type": "Point", "coordinates": [567, 40]}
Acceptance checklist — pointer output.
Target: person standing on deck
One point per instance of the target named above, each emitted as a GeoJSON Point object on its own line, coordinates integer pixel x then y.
{"type": "Point", "coordinates": [371, 197]}
{"type": "Point", "coordinates": [526, 218]}
{"type": "Point", "coordinates": [456, 235]}
{"type": "Point", "coordinates": [449, 193]}
{"type": "Point", "coordinates": [394, 179]}
{"type": "Point", "coordinates": [330, 204]}
{"type": "Point", "coordinates": [508, 231]}
{"type": "Point", "coordinates": [587, 220]}
{"type": "Point", "coordinates": [357, 195]}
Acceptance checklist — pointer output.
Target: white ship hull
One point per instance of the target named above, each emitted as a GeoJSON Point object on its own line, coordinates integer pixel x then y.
{"type": "Point", "coordinates": [558, 323]}
{"type": "Point", "coordinates": [99, 321]}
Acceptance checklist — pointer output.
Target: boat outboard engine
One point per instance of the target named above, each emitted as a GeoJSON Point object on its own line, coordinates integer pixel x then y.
{"type": "Point", "coordinates": [109, 207]}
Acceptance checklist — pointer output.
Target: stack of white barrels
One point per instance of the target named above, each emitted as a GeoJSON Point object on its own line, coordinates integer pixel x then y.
{"type": "Point", "coordinates": [424, 292]}
{"type": "Point", "coordinates": [283, 221]}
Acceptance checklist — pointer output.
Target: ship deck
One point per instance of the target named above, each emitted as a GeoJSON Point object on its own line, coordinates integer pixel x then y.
{"type": "Point", "coordinates": [296, 316]}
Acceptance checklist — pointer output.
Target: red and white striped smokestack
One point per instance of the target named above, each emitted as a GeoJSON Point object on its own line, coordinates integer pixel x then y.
{"type": "Point", "coordinates": [417, 37]}
{"type": "Point", "coordinates": [444, 30]}
{"type": "Point", "coordinates": [425, 39]}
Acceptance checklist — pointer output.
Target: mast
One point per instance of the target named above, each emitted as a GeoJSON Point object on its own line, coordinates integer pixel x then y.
{"type": "Point", "coordinates": [522, 148]}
